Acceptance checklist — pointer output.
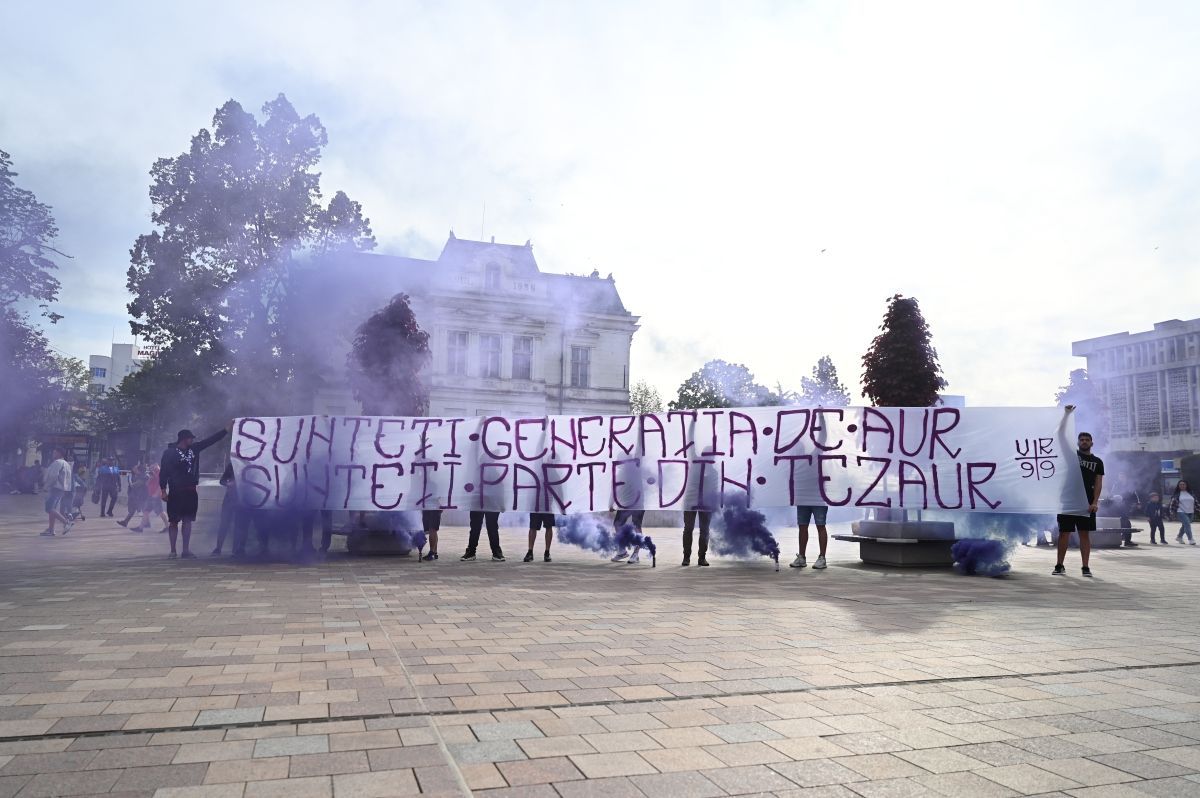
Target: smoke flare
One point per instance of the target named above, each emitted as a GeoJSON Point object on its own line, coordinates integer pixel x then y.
{"type": "Point", "coordinates": [742, 532]}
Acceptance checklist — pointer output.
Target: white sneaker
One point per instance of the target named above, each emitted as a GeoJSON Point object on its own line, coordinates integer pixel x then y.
{"type": "Point", "coordinates": [819, 564]}
{"type": "Point", "coordinates": [620, 555]}
{"type": "Point", "coordinates": [634, 557]}
{"type": "Point", "coordinates": [799, 562]}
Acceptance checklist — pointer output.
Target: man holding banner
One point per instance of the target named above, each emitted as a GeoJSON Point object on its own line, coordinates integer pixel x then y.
{"type": "Point", "coordinates": [1092, 469]}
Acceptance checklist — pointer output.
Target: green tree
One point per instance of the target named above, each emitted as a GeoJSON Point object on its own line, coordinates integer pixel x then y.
{"type": "Point", "coordinates": [644, 398]}
{"type": "Point", "coordinates": [1091, 410]}
{"type": "Point", "coordinates": [233, 215]}
{"type": "Point", "coordinates": [386, 359]}
{"type": "Point", "coordinates": [27, 367]}
{"type": "Point", "coordinates": [824, 388]}
{"type": "Point", "coordinates": [27, 233]}
{"type": "Point", "coordinates": [901, 367]}
{"type": "Point", "coordinates": [722, 384]}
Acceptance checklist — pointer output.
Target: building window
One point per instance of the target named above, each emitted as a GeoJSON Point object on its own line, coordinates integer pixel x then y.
{"type": "Point", "coordinates": [522, 358]}
{"type": "Point", "coordinates": [581, 367]}
{"type": "Point", "coordinates": [489, 355]}
{"type": "Point", "coordinates": [456, 362]}
{"type": "Point", "coordinates": [99, 373]}
{"type": "Point", "coordinates": [95, 389]}
{"type": "Point", "coordinates": [491, 275]}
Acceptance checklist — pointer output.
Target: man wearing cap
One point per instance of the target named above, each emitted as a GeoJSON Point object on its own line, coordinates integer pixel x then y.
{"type": "Point", "coordinates": [178, 477]}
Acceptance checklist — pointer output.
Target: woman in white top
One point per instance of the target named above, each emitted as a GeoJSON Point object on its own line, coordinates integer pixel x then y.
{"type": "Point", "coordinates": [1183, 504]}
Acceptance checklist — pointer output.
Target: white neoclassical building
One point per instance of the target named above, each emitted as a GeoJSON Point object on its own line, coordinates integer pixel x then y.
{"type": "Point", "coordinates": [506, 337]}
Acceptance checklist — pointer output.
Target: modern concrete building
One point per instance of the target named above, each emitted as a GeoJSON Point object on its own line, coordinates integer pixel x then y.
{"type": "Point", "coordinates": [107, 371]}
{"type": "Point", "coordinates": [1151, 382]}
{"type": "Point", "coordinates": [506, 337]}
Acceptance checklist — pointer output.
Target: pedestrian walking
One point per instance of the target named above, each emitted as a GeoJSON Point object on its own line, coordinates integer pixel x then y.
{"type": "Point", "coordinates": [1183, 506]}
{"type": "Point", "coordinates": [178, 477]}
{"type": "Point", "coordinates": [135, 495]}
{"type": "Point", "coordinates": [108, 483]}
{"type": "Point", "coordinates": [59, 484]}
{"type": "Point", "coordinates": [153, 505]}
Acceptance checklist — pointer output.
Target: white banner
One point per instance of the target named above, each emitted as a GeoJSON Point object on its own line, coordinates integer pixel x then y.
{"type": "Point", "coordinates": [1019, 460]}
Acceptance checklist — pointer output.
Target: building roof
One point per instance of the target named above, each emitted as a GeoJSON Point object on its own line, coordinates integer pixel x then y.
{"type": "Point", "coordinates": [460, 252]}
{"type": "Point", "coordinates": [379, 277]}
{"type": "Point", "coordinates": [1162, 329]}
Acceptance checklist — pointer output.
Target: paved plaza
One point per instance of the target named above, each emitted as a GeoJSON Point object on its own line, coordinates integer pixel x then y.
{"type": "Point", "coordinates": [123, 673]}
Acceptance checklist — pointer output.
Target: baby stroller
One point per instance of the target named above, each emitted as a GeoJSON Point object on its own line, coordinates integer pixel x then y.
{"type": "Point", "coordinates": [77, 500]}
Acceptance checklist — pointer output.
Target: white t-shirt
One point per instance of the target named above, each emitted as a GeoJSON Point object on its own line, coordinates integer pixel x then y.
{"type": "Point", "coordinates": [1187, 503]}
{"type": "Point", "coordinates": [58, 476]}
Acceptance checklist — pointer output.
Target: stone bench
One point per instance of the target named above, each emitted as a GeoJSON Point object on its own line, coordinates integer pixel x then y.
{"type": "Point", "coordinates": [904, 544]}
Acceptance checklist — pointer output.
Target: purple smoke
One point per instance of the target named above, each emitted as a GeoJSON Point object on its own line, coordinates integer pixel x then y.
{"type": "Point", "coordinates": [587, 533]}
{"type": "Point", "coordinates": [742, 532]}
{"type": "Point", "coordinates": [981, 556]}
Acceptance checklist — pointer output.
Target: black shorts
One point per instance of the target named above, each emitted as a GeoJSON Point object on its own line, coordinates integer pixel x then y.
{"type": "Point", "coordinates": [1076, 523]}
{"type": "Point", "coordinates": [431, 520]}
{"type": "Point", "coordinates": [182, 505]}
{"type": "Point", "coordinates": [540, 520]}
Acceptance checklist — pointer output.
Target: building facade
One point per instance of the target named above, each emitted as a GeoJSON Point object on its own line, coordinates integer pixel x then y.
{"type": "Point", "coordinates": [107, 371]}
{"type": "Point", "coordinates": [1151, 383]}
{"type": "Point", "coordinates": [506, 338]}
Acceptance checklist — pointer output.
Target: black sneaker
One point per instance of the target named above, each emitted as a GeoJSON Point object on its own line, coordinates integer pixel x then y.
{"type": "Point", "coordinates": [430, 557]}
{"type": "Point", "coordinates": [686, 562]}
{"type": "Point", "coordinates": [528, 556]}
{"type": "Point", "coordinates": [1087, 571]}
{"type": "Point", "coordinates": [546, 557]}
{"type": "Point", "coordinates": [468, 557]}
{"type": "Point", "coordinates": [702, 562]}
{"type": "Point", "coordinates": [123, 523]}
{"type": "Point", "coordinates": [1059, 570]}
{"type": "Point", "coordinates": [497, 557]}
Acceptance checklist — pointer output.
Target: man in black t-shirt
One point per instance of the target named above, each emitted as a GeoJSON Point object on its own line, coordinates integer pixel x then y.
{"type": "Point", "coordinates": [178, 478]}
{"type": "Point", "coordinates": [1092, 468]}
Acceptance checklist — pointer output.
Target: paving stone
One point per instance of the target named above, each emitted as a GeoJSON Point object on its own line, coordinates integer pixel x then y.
{"type": "Point", "coordinates": [818, 772]}
{"type": "Point", "coordinates": [1025, 778]}
{"type": "Point", "coordinates": [749, 779]}
{"type": "Point", "coordinates": [1142, 765]}
{"type": "Point", "coordinates": [379, 784]}
{"type": "Point", "coordinates": [494, 751]}
{"type": "Point", "coordinates": [669, 785]}
{"type": "Point", "coordinates": [292, 746]}
{"type": "Point", "coordinates": [539, 771]}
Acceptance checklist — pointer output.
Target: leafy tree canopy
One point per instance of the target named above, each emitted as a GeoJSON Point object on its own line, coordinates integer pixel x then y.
{"type": "Point", "coordinates": [824, 388]}
{"type": "Point", "coordinates": [233, 216]}
{"type": "Point", "coordinates": [644, 398]}
{"type": "Point", "coordinates": [901, 367]}
{"type": "Point", "coordinates": [27, 233]}
{"type": "Point", "coordinates": [386, 359]}
{"type": "Point", "coordinates": [722, 384]}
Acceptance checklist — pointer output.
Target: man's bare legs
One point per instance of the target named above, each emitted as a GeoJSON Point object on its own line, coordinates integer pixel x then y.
{"type": "Point", "coordinates": [822, 538]}
{"type": "Point", "coordinates": [1085, 547]}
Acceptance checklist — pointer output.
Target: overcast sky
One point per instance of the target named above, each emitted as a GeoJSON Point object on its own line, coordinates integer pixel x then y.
{"type": "Point", "coordinates": [759, 177]}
